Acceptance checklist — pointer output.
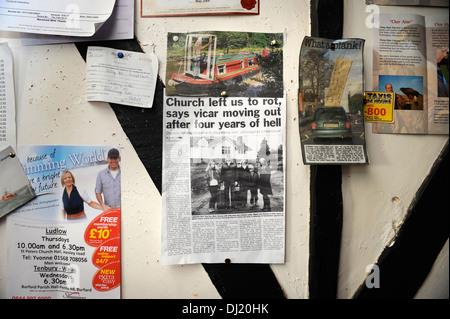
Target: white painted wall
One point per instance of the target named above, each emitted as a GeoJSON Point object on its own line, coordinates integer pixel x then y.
{"type": "Point", "coordinates": [52, 109]}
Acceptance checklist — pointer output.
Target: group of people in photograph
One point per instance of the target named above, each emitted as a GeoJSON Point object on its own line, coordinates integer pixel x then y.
{"type": "Point", "coordinates": [235, 185]}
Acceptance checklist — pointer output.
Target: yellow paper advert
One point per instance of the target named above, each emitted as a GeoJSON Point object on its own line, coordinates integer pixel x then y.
{"type": "Point", "coordinates": [379, 107]}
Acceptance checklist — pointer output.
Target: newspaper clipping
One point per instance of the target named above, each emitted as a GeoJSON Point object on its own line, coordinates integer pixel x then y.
{"type": "Point", "coordinates": [411, 60]}
{"type": "Point", "coordinates": [223, 180]}
{"type": "Point", "coordinates": [331, 101]}
{"type": "Point", "coordinates": [223, 157]}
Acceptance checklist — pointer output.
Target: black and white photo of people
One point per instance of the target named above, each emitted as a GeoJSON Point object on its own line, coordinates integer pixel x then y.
{"type": "Point", "coordinates": [235, 183]}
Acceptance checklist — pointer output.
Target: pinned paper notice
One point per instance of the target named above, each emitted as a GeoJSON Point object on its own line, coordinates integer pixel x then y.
{"type": "Point", "coordinates": [119, 26]}
{"type": "Point", "coordinates": [81, 18]}
{"type": "Point", "coordinates": [170, 8]}
{"type": "Point", "coordinates": [338, 79]}
{"type": "Point", "coordinates": [121, 77]}
{"type": "Point", "coordinates": [7, 98]}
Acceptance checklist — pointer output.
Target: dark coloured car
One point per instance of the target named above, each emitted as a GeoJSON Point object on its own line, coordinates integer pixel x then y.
{"type": "Point", "coordinates": [331, 122]}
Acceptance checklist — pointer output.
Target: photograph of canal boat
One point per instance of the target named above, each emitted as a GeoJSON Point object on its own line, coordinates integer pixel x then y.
{"type": "Point", "coordinates": [242, 64]}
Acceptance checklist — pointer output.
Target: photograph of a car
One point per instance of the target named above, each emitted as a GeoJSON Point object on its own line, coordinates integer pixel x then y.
{"type": "Point", "coordinates": [331, 122]}
{"type": "Point", "coordinates": [331, 101]}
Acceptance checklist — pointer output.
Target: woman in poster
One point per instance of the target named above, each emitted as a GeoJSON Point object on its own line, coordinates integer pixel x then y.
{"type": "Point", "coordinates": [73, 198]}
{"type": "Point", "coordinates": [212, 178]}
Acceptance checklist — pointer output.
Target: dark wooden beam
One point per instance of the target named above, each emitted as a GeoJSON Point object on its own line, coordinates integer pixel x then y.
{"type": "Point", "coordinates": [326, 214]}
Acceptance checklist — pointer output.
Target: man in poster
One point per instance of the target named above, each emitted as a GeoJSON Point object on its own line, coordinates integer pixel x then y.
{"type": "Point", "coordinates": [108, 181]}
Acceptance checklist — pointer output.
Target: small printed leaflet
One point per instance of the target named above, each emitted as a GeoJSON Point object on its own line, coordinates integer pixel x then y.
{"type": "Point", "coordinates": [164, 8]}
{"type": "Point", "coordinates": [121, 77]}
{"type": "Point", "coordinates": [81, 18]}
{"type": "Point", "coordinates": [7, 99]}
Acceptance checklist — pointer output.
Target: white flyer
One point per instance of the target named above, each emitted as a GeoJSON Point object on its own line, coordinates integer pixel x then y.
{"type": "Point", "coordinates": [120, 76]}
{"type": "Point", "coordinates": [80, 18]}
{"type": "Point", "coordinates": [120, 26]}
{"type": "Point", "coordinates": [7, 99]}
{"type": "Point", "coordinates": [411, 60]}
{"type": "Point", "coordinates": [169, 8]}
{"type": "Point", "coordinates": [63, 244]}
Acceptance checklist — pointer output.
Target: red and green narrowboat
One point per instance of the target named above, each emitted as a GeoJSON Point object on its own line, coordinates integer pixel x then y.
{"type": "Point", "coordinates": [206, 71]}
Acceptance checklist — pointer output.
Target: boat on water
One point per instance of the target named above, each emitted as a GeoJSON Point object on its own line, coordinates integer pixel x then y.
{"type": "Point", "coordinates": [208, 72]}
